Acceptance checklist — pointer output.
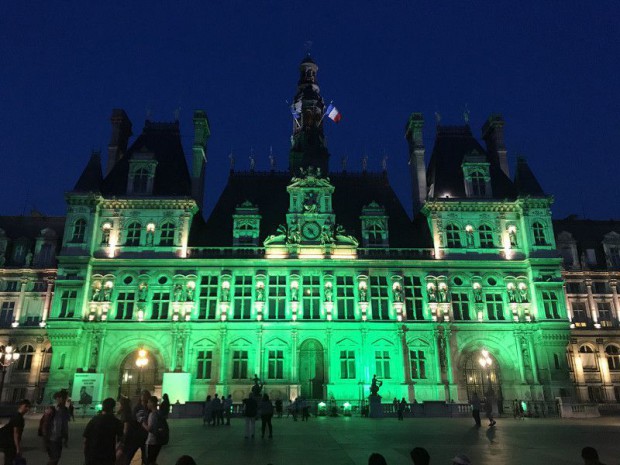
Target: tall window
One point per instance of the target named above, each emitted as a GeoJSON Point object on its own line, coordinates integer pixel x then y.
{"type": "Point", "coordinates": [580, 317]}
{"type": "Point", "coordinates": [124, 305]}
{"type": "Point", "coordinates": [140, 181]}
{"type": "Point", "coordinates": [418, 364]}
{"type": "Point", "coordinates": [495, 306]}
{"type": "Point", "coordinates": [486, 236]}
{"type": "Point", "coordinates": [379, 298]}
{"type": "Point", "coordinates": [382, 364]}
{"type": "Point", "coordinates": [134, 231]}
{"type": "Point", "coordinates": [79, 231]}
{"type": "Point", "coordinates": [347, 364]}
{"type": "Point", "coordinates": [604, 314]}
{"type": "Point", "coordinates": [539, 234]}
{"type": "Point", "coordinates": [46, 362]}
{"type": "Point", "coordinates": [311, 298]}
{"type": "Point", "coordinates": [550, 304]}
{"type": "Point", "coordinates": [243, 298]}
{"type": "Point", "coordinates": [460, 306]}
{"type": "Point", "coordinates": [167, 235]}
{"type": "Point", "coordinates": [26, 354]}
{"type": "Point", "coordinates": [240, 364]}
{"type": "Point", "coordinates": [275, 365]}
{"type": "Point", "coordinates": [345, 298]}
{"type": "Point", "coordinates": [588, 357]}
{"type": "Point", "coordinates": [453, 236]}
{"type": "Point", "coordinates": [204, 362]}
{"type": "Point", "coordinates": [67, 304]}
{"type": "Point", "coordinates": [413, 298]}
{"type": "Point", "coordinates": [160, 305]}
{"type": "Point", "coordinates": [6, 313]}
{"type": "Point", "coordinates": [613, 357]}
{"type": "Point", "coordinates": [478, 184]}
{"type": "Point", "coordinates": [207, 305]}
{"type": "Point", "coordinates": [276, 302]}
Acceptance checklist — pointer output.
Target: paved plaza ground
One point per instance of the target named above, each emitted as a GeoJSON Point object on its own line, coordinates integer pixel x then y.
{"type": "Point", "coordinates": [343, 440]}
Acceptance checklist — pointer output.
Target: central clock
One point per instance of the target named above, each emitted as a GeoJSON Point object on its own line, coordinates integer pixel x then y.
{"type": "Point", "coordinates": [311, 230]}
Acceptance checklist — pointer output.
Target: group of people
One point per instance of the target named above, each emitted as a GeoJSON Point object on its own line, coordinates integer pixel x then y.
{"type": "Point", "coordinates": [255, 406]}
{"type": "Point", "coordinates": [216, 410]}
{"type": "Point", "coordinates": [476, 405]}
{"type": "Point", "coordinates": [400, 407]}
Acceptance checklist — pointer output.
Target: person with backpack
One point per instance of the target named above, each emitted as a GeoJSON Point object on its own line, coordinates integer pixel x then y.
{"type": "Point", "coordinates": [55, 428]}
{"type": "Point", "coordinates": [100, 436]}
{"type": "Point", "coordinates": [11, 433]}
{"type": "Point", "coordinates": [157, 428]}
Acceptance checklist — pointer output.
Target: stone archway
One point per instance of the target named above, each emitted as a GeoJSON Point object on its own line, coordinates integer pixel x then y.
{"type": "Point", "coordinates": [479, 379]}
{"type": "Point", "coordinates": [311, 369]}
{"type": "Point", "coordinates": [133, 379]}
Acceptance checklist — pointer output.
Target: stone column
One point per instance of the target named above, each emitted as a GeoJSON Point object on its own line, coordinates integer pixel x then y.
{"type": "Point", "coordinates": [294, 376]}
{"type": "Point", "coordinates": [223, 357]}
{"type": "Point", "coordinates": [580, 379]}
{"type": "Point", "coordinates": [603, 364]}
{"type": "Point", "coordinates": [260, 354]}
{"type": "Point", "coordinates": [20, 301]}
{"type": "Point", "coordinates": [569, 311]}
{"type": "Point", "coordinates": [48, 299]}
{"type": "Point", "coordinates": [616, 301]}
{"type": "Point", "coordinates": [591, 303]}
{"type": "Point", "coordinates": [533, 360]}
{"type": "Point", "coordinates": [520, 358]}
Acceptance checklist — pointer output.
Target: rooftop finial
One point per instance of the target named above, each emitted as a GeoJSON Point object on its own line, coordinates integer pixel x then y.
{"type": "Point", "coordinates": [437, 118]}
{"type": "Point", "coordinates": [466, 115]}
{"type": "Point", "coordinates": [252, 160]}
{"type": "Point", "coordinates": [272, 159]}
{"type": "Point", "coordinates": [308, 46]}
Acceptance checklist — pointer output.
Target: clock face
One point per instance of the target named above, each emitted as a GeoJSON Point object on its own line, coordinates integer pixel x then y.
{"type": "Point", "coordinates": [311, 230]}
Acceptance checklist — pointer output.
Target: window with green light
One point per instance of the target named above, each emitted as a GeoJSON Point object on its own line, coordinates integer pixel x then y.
{"type": "Point", "coordinates": [276, 300]}
{"type": "Point", "coordinates": [160, 305]}
{"type": "Point", "coordinates": [413, 298]}
{"type": "Point", "coordinates": [550, 304]}
{"type": "Point", "coordinates": [79, 231]}
{"type": "Point", "coordinates": [539, 234]}
{"type": "Point", "coordinates": [382, 364]}
{"type": "Point", "coordinates": [417, 361]}
{"type": "Point", "coordinates": [166, 237]}
{"type": "Point", "coordinates": [460, 306]}
{"type": "Point", "coordinates": [486, 236]}
{"type": "Point", "coordinates": [495, 306]}
{"type": "Point", "coordinates": [6, 313]}
{"type": "Point", "coordinates": [243, 298]}
{"type": "Point", "coordinates": [134, 231]}
{"type": "Point", "coordinates": [453, 236]}
{"type": "Point", "coordinates": [204, 362]}
{"type": "Point", "coordinates": [379, 302]}
{"type": "Point", "coordinates": [240, 364]}
{"type": "Point", "coordinates": [275, 364]}
{"type": "Point", "coordinates": [67, 304]}
{"type": "Point", "coordinates": [311, 302]}
{"type": "Point", "coordinates": [124, 305]}
{"type": "Point", "coordinates": [207, 302]}
{"type": "Point", "coordinates": [345, 298]}
{"type": "Point", "coordinates": [347, 364]}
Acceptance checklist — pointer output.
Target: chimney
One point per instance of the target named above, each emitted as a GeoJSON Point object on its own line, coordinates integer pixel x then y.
{"type": "Point", "coordinates": [121, 132]}
{"type": "Point", "coordinates": [202, 132]}
{"type": "Point", "coordinates": [493, 135]}
{"type": "Point", "coordinates": [417, 168]}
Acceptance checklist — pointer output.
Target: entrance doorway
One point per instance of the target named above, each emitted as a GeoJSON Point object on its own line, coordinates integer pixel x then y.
{"type": "Point", "coordinates": [311, 370]}
{"type": "Point", "coordinates": [139, 371]}
{"type": "Point", "coordinates": [480, 378]}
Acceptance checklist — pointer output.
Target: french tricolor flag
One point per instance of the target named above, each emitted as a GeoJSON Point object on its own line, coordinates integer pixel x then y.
{"type": "Point", "coordinates": [333, 113]}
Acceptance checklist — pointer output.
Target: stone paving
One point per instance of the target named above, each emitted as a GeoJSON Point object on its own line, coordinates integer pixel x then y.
{"type": "Point", "coordinates": [349, 441]}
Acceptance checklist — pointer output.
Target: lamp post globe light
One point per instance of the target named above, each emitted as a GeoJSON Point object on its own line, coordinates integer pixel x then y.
{"type": "Point", "coordinates": [141, 361]}
{"type": "Point", "coordinates": [8, 356]}
{"type": "Point", "coordinates": [485, 361]}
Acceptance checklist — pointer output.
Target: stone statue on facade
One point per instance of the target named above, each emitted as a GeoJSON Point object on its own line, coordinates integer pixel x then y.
{"type": "Point", "coordinates": [375, 384]}
{"type": "Point", "coordinates": [431, 293]}
{"type": "Point", "coordinates": [28, 259]}
{"type": "Point", "coordinates": [398, 293]}
{"type": "Point", "coordinates": [178, 292]}
{"type": "Point", "coordinates": [260, 293]}
{"type": "Point", "coordinates": [257, 387]}
{"type": "Point", "coordinates": [329, 293]}
{"type": "Point", "coordinates": [142, 292]}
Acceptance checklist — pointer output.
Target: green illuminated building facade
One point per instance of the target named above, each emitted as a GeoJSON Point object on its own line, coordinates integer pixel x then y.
{"type": "Point", "coordinates": [313, 280]}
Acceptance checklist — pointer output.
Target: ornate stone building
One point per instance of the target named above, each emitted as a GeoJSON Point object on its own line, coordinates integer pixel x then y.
{"type": "Point", "coordinates": [314, 280]}
{"type": "Point", "coordinates": [591, 253]}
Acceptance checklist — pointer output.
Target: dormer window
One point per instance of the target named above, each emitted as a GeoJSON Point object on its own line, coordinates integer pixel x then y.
{"type": "Point", "coordinates": [167, 234]}
{"type": "Point", "coordinates": [453, 236]}
{"type": "Point", "coordinates": [374, 226]}
{"type": "Point", "coordinates": [486, 236]}
{"type": "Point", "coordinates": [140, 181]}
{"type": "Point", "coordinates": [79, 231]}
{"type": "Point", "coordinates": [246, 225]}
{"type": "Point", "coordinates": [134, 231]}
{"type": "Point", "coordinates": [539, 234]}
{"type": "Point", "coordinates": [611, 246]}
{"type": "Point", "coordinates": [141, 174]}
{"type": "Point", "coordinates": [476, 175]}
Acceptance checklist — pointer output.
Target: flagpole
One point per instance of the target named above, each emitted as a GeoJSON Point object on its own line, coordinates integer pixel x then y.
{"type": "Point", "coordinates": [323, 117]}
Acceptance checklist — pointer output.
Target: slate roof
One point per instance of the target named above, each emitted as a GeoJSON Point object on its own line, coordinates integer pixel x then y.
{"type": "Point", "coordinates": [525, 181]}
{"type": "Point", "coordinates": [172, 176]}
{"type": "Point", "coordinates": [30, 227]}
{"type": "Point", "coordinates": [589, 234]}
{"type": "Point", "coordinates": [452, 144]}
{"type": "Point", "coordinates": [267, 190]}
{"type": "Point", "coordinates": [91, 177]}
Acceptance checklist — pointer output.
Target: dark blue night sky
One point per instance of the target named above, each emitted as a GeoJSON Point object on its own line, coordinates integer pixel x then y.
{"type": "Point", "coordinates": [551, 68]}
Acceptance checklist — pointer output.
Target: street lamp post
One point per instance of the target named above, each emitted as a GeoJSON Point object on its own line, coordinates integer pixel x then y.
{"type": "Point", "coordinates": [485, 361]}
{"type": "Point", "coordinates": [8, 356]}
{"type": "Point", "coordinates": [141, 362]}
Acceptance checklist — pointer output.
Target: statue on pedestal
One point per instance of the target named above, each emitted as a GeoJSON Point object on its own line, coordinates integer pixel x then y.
{"type": "Point", "coordinates": [258, 387]}
{"type": "Point", "coordinates": [375, 384]}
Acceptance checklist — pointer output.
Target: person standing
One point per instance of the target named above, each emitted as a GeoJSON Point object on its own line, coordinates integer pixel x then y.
{"type": "Point", "coordinates": [132, 432]}
{"type": "Point", "coordinates": [266, 414]}
{"type": "Point", "coordinates": [475, 408]}
{"type": "Point", "coordinates": [207, 411]}
{"type": "Point", "coordinates": [140, 415]}
{"type": "Point", "coordinates": [164, 407]}
{"type": "Point", "coordinates": [150, 425]}
{"type": "Point", "coordinates": [101, 434]}
{"type": "Point", "coordinates": [217, 409]}
{"type": "Point", "coordinates": [11, 433]}
{"type": "Point", "coordinates": [488, 406]}
{"type": "Point", "coordinates": [279, 407]}
{"type": "Point", "coordinates": [305, 409]}
{"type": "Point", "coordinates": [250, 409]}
{"type": "Point", "coordinates": [402, 406]}
{"type": "Point", "coordinates": [57, 429]}
{"type": "Point", "coordinates": [228, 404]}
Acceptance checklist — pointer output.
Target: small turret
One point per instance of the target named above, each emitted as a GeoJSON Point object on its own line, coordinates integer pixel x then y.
{"type": "Point", "coordinates": [493, 135]}
{"type": "Point", "coordinates": [417, 168]}
{"type": "Point", "coordinates": [202, 132]}
{"type": "Point", "coordinates": [121, 132]}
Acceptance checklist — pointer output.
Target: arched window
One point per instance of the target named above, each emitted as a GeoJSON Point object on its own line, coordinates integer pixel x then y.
{"type": "Point", "coordinates": [26, 353]}
{"type": "Point", "coordinates": [588, 357]}
{"type": "Point", "coordinates": [79, 230]}
{"type": "Point", "coordinates": [167, 234]}
{"type": "Point", "coordinates": [486, 236]}
{"type": "Point", "coordinates": [478, 184]}
{"type": "Point", "coordinates": [140, 181]}
{"type": "Point", "coordinates": [46, 363]}
{"type": "Point", "coordinates": [613, 357]}
{"type": "Point", "coordinates": [453, 235]}
{"type": "Point", "coordinates": [134, 231]}
{"type": "Point", "coordinates": [539, 234]}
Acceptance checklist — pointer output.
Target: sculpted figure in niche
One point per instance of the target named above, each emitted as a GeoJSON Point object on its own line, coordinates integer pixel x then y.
{"type": "Point", "coordinates": [398, 293]}
{"type": "Point", "coordinates": [28, 259]}
{"type": "Point", "coordinates": [189, 294]}
{"type": "Point", "coordinates": [294, 293]}
{"type": "Point", "coordinates": [523, 293]}
{"type": "Point", "coordinates": [107, 293]}
{"type": "Point", "coordinates": [512, 295]}
{"type": "Point", "coordinates": [225, 294]}
{"type": "Point", "coordinates": [328, 292]}
{"type": "Point", "coordinates": [363, 293]}
{"type": "Point", "coordinates": [142, 292]}
{"type": "Point", "coordinates": [478, 294]}
{"type": "Point", "coordinates": [178, 292]}
{"type": "Point", "coordinates": [443, 293]}
{"type": "Point", "coordinates": [96, 292]}
{"type": "Point", "coordinates": [432, 293]}
{"type": "Point", "coordinates": [260, 293]}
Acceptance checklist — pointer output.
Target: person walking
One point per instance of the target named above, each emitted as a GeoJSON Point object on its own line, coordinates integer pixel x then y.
{"type": "Point", "coordinates": [11, 433]}
{"type": "Point", "coordinates": [279, 407]}
{"type": "Point", "coordinates": [140, 414]}
{"type": "Point", "coordinates": [57, 429]}
{"type": "Point", "coordinates": [164, 407]}
{"type": "Point", "coordinates": [207, 411]}
{"type": "Point", "coordinates": [101, 434]}
{"type": "Point", "coordinates": [488, 406]}
{"type": "Point", "coordinates": [216, 404]}
{"type": "Point", "coordinates": [475, 408]}
{"type": "Point", "coordinates": [150, 425]}
{"type": "Point", "coordinates": [250, 409]}
{"type": "Point", "coordinates": [266, 413]}
{"type": "Point", "coordinates": [305, 409]}
{"type": "Point", "coordinates": [132, 437]}
{"type": "Point", "coordinates": [228, 404]}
